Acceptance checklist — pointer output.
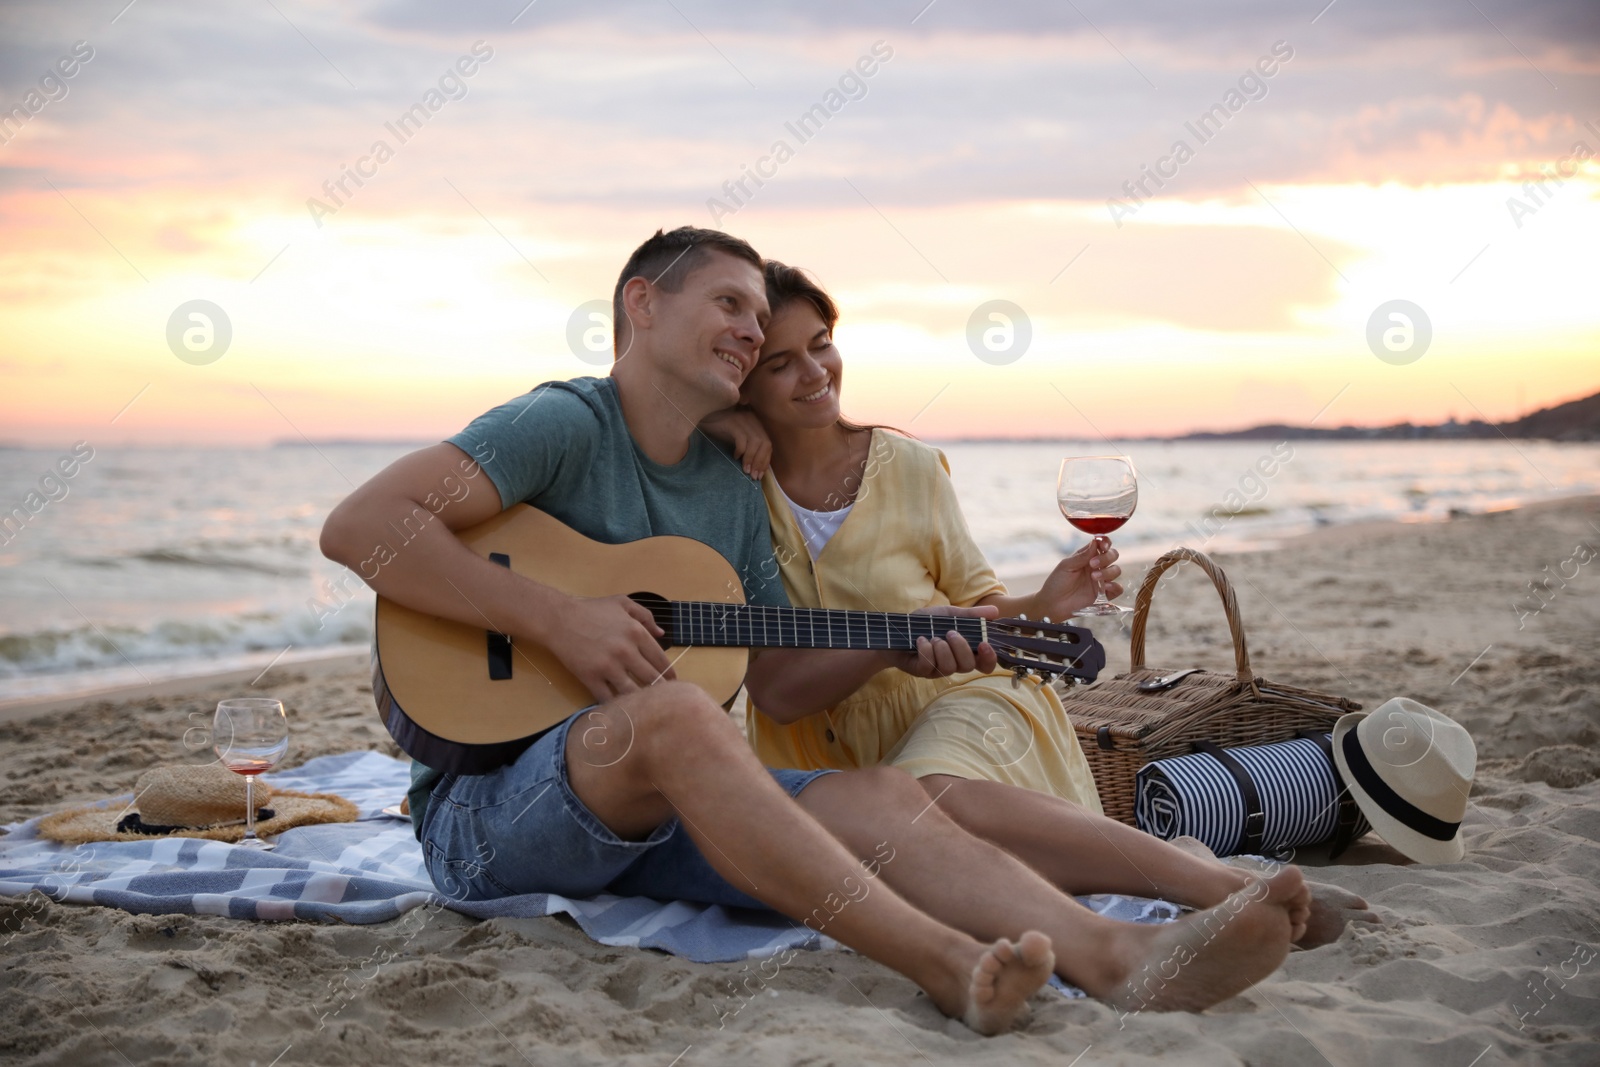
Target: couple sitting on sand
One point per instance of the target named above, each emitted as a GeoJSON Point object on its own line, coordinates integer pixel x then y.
{"type": "Point", "coordinates": [885, 810]}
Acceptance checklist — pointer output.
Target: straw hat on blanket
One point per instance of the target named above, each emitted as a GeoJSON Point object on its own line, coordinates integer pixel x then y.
{"type": "Point", "coordinates": [195, 801]}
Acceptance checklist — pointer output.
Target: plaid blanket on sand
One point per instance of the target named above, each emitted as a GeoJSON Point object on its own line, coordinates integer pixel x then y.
{"type": "Point", "coordinates": [370, 871]}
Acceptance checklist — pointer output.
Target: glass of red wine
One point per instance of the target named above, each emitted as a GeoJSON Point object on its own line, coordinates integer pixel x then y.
{"type": "Point", "coordinates": [1097, 494]}
{"type": "Point", "coordinates": [250, 735]}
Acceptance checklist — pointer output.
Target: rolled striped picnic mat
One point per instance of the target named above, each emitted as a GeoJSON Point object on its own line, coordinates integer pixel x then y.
{"type": "Point", "coordinates": [1258, 799]}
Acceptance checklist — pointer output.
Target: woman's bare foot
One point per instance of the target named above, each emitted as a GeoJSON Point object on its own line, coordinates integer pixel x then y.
{"type": "Point", "coordinates": [1332, 909]}
{"type": "Point", "coordinates": [1004, 978]}
{"type": "Point", "coordinates": [1300, 908]}
{"type": "Point", "coordinates": [1212, 955]}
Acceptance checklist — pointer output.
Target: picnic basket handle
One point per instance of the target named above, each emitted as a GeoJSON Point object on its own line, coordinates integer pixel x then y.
{"type": "Point", "coordinates": [1230, 605]}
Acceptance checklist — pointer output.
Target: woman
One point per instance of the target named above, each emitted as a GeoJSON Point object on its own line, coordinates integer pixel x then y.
{"type": "Point", "coordinates": [865, 518]}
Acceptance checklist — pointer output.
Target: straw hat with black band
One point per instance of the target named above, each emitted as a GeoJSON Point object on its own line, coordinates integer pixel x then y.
{"type": "Point", "coordinates": [205, 801]}
{"type": "Point", "coordinates": [1410, 770]}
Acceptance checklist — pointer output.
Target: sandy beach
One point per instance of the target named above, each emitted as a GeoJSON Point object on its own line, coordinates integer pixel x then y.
{"type": "Point", "coordinates": [1491, 960]}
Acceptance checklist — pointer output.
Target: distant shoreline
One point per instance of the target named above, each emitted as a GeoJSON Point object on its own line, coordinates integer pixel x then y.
{"type": "Point", "coordinates": [1574, 422]}
{"type": "Point", "coordinates": [1343, 435]}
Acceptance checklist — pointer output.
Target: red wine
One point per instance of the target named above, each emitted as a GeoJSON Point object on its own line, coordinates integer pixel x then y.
{"type": "Point", "coordinates": [1098, 524]}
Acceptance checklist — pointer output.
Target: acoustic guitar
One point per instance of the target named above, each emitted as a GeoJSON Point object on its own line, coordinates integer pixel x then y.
{"type": "Point", "coordinates": [466, 699]}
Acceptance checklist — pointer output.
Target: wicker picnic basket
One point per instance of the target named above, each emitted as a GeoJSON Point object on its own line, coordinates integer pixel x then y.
{"type": "Point", "coordinates": [1122, 727]}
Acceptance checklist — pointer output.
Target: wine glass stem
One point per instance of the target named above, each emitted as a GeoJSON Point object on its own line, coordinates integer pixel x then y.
{"type": "Point", "coordinates": [1100, 598]}
{"type": "Point", "coordinates": [249, 807]}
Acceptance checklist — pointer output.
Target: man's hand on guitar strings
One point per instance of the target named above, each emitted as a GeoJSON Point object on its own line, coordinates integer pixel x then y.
{"type": "Point", "coordinates": [609, 644]}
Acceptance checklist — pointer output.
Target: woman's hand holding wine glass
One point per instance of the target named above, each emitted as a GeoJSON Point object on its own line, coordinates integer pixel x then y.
{"type": "Point", "coordinates": [1097, 494]}
{"type": "Point", "coordinates": [1077, 580]}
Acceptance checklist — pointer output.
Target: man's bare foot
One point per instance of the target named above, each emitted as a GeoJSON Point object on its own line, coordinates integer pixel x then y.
{"type": "Point", "coordinates": [1005, 977]}
{"type": "Point", "coordinates": [1212, 955]}
{"type": "Point", "coordinates": [1332, 909]}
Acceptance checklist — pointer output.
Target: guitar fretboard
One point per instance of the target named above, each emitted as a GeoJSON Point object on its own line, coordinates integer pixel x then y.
{"type": "Point", "coordinates": [758, 626]}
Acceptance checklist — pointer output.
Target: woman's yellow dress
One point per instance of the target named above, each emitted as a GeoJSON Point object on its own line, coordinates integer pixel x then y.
{"type": "Point", "coordinates": [904, 546]}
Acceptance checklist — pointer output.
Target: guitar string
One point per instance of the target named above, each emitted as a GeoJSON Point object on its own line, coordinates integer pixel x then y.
{"type": "Point", "coordinates": [712, 623]}
{"type": "Point", "coordinates": [717, 624]}
{"type": "Point", "coordinates": [704, 622]}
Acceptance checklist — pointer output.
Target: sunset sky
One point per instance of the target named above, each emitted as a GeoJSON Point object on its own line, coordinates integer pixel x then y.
{"type": "Point", "coordinates": [1392, 153]}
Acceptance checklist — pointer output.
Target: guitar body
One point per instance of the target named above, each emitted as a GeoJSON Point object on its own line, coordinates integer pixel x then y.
{"type": "Point", "coordinates": [458, 699]}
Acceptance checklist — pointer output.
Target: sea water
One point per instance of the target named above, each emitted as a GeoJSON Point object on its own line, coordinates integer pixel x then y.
{"type": "Point", "coordinates": [154, 563]}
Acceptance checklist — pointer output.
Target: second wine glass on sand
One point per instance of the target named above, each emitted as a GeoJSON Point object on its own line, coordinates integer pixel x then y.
{"type": "Point", "coordinates": [250, 735]}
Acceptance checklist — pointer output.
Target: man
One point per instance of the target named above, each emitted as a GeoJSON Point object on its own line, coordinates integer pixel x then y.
{"type": "Point", "coordinates": [656, 792]}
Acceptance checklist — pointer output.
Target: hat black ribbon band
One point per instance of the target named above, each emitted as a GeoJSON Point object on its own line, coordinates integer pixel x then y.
{"type": "Point", "coordinates": [1389, 800]}
{"type": "Point", "coordinates": [132, 824]}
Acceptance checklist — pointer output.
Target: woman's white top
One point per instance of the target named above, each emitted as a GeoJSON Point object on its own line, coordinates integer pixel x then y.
{"type": "Point", "coordinates": [817, 527]}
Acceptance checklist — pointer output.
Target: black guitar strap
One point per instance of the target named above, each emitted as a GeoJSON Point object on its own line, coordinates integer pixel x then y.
{"type": "Point", "coordinates": [1255, 820]}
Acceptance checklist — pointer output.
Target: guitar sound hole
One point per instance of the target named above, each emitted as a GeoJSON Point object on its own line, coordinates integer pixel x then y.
{"type": "Point", "coordinates": [660, 609]}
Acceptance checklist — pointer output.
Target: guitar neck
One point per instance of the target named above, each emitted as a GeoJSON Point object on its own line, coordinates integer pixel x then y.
{"type": "Point", "coordinates": [707, 623]}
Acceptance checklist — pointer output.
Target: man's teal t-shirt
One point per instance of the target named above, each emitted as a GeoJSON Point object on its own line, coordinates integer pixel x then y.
{"type": "Point", "coordinates": [565, 448]}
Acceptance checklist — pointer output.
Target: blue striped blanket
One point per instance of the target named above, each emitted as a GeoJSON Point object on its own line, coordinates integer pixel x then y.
{"type": "Point", "coordinates": [370, 871]}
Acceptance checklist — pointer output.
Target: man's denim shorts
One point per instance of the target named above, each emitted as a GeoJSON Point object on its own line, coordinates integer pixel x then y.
{"type": "Point", "coordinates": [521, 829]}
